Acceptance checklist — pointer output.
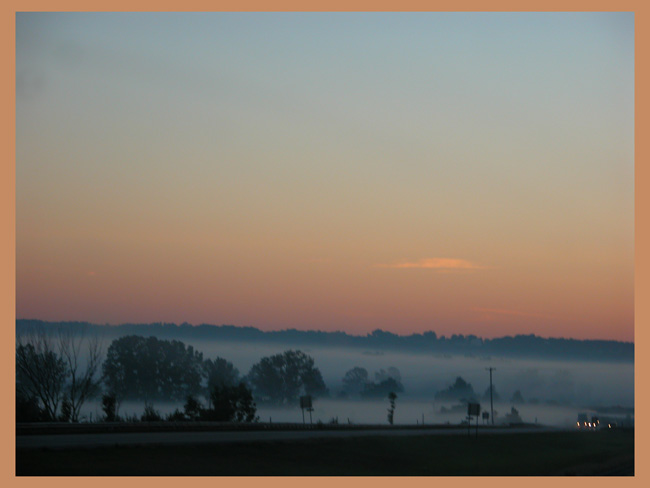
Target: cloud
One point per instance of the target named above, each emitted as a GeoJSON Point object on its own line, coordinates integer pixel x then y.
{"type": "Point", "coordinates": [439, 264]}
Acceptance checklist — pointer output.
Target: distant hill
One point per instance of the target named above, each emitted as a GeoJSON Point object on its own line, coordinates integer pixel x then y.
{"type": "Point", "coordinates": [528, 346]}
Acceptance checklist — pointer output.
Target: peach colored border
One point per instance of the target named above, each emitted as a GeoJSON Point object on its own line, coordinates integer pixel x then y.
{"type": "Point", "coordinates": [7, 195]}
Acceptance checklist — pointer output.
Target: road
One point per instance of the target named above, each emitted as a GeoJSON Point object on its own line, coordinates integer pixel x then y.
{"type": "Point", "coordinates": [68, 441]}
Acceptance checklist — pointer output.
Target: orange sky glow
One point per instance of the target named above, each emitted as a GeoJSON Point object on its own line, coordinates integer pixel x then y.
{"type": "Point", "coordinates": [466, 174]}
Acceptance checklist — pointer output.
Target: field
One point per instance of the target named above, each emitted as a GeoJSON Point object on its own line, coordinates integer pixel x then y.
{"type": "Point", "coordinates": [534, 454]}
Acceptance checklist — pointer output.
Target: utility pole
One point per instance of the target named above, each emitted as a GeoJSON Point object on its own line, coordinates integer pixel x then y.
{"type": "Point", "coordinates": [491, 399]}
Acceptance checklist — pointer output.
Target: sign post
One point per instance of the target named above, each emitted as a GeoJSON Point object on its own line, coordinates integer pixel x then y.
{"type": "Point", "coordinates": [473, 410]}
{"type": "Point", "coordinates": [306, 404]}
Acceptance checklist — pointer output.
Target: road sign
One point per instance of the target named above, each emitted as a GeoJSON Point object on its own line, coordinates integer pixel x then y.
{"type": "Point", "coordinates": [473, 409]}
{"type": "Point", "coordinates": [305, 401]}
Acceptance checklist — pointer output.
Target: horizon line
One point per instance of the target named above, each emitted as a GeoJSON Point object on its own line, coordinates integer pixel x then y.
{"type": "Point", "coordinates": [319, 330]}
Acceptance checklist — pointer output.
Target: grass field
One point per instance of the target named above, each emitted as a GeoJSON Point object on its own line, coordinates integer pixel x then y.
{"type": "Point", "coordinates": [536, 454]}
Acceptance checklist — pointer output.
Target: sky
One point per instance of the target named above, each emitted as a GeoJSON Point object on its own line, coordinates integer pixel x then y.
{"type": "Point", "coordinates": [466, 173]}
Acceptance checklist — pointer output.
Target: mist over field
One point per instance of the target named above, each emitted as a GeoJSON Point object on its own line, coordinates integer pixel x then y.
{"type": "Point", "coordinates": [547, 391]}
{"type": "Point", "coordinates": [553, 391]}
{"type": "Point", "coordinates": [408, 412]}
{"type": "Point", "coordinates": [424, 374]}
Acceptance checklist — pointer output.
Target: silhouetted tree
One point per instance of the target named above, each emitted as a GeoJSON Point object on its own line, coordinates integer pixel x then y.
{"type": "Point", "coordinates": [193, 408]}
{"type": "Point", "coordinates": [392, 372]}
{"type": "Point", "coordinates": [313, 384]}
{"type": "Point", "coordinates": [58, 366]}
{"type": "Point", "coordinates": [391, 410]}
{"type": "Point", "coordinates": [283, 377]}
{"type": "Point", "coordinates": [150, 414]}
{"type": "Point", "coordinates": [66, 409]}
{"type": "Point", "coordinates": [517, 398]}
{"type": "Point", "coordinates": [40, 372]}
{"type": "Point", "coordinates": [231, 403]}
{"type": "Point", "coordinates": [28, 409]}
{"type": "Point", "coordinates": [218, 372]}
{"type": "Point", "coordinates": [513, 417]}
{"type": "Point", "coordinates": [519, 345]}
{"type": "Point", "coordinates": [82, 358]}
{"type": "Point", "coordinates": [149, 368]}
{"type": "Point", "coordinates": [460, 390]}
{"type": "Point", "coordinates": [385, 382]}
{"type": "Point", "coordinates": [175, 416]}
{"type": "Point", "coordinates": [109, 407]}
{"type": "Point", "coordinates": [355, 380]}
{"type": "Point", "coordinates": [380, 390]}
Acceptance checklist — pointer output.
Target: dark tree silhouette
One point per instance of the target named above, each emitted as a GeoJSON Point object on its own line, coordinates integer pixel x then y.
{"type": "Point", "coordinates": [219, 371]}
{"type": "Point", "coordinates": [518, 346]}
{"type": "Point", "coordinates": [517, 398]}
{"type": "Point", "coordinates": [40, 372]}
{"type": "Point", "coordinates": [150, 414]}
{"type": "Point", "coordinates": [28, 409]}
{"type": "Point", "coordinates": [82, 357]}
{"type": "Point", "coordinates": [281, 378]}
{"type": "Point", "coordinates": [231, 404]}
{"type": "Point", "coordinates": [460, 390]}
{"type": "Point", "coordinates": [59, 369]}
{"type": "Point", "coordinates": [385, 382]}
{"type": "Point", "coordinates": [355, 380]}
{"type": "Point", "coordinates": [149, 368]}
{"type": "Point", "coordinates": [380, 390]}
{"type": "Point", "coordinates": [193, 408]}
{"type": "Point", "coordinates": [66, 409]}
{"type": "Point", "coordinates": [391, 410]}
{"type": "Point", "coordinates": [175, 416]}
{"type": "Point", "coordinates": [383, 375]}
{"type": "Point", "coordinates": [109, 407]}
{"type": "Point", "coordinates": [313, 383]}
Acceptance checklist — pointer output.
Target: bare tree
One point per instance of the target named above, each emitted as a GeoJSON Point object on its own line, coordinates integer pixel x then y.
{"type": "Point", "coordinates": [40, 371]}
{"type": "Point", "coordinates": [82, 357]}
{"type": "Point", "coordinates": [60, 370]}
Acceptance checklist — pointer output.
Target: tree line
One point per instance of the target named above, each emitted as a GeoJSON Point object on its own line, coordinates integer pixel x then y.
{"type": "Point", "coordinates": [57, 374]}
{"type": "Point", "coordinates": [529, 346]}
